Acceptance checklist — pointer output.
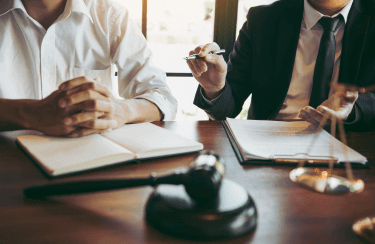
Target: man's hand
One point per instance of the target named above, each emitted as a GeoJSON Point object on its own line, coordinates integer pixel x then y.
{"type": "Point", "coordinates": [339, 105]}
{"type": "Point", "coordinates": [45, 115]}
{"type": "Point", "coordinates": [80, 107]}
{"type": "Point", "coordinates": [99, 110]}
{"type": "Point", "coordinates": [210, 72]}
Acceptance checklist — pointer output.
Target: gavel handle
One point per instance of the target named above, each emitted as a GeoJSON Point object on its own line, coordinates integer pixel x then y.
{"type": "Point", "coordinates": [84, 186]}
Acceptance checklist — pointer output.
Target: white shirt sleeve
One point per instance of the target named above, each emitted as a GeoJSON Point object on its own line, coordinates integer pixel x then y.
{"type": "Point", "coordinates": [137, 75]}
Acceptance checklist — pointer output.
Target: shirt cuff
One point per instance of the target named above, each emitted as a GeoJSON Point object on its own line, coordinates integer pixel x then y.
{"type": "Point", "coordinates": [209, 102]}
{"type": "Point", "coordinates": [354, 116]}
{"type": "Point", "coordinates": [166, 104]}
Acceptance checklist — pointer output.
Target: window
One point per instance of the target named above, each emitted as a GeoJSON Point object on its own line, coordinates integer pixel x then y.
{"type": "Point", "coordinates": [173, 28]}
{"type": "Point", "coordinates": [243, 8]}
{"type": "Point", "coordinates": [176, 27]}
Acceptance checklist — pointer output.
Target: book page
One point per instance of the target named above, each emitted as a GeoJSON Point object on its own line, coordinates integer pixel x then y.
{"type": "Point", "coordinates": [149, 140]}
{"type": "Point", "coordinates": [260, 139]}
{"type": "Point", "coordinates": [58, 155]}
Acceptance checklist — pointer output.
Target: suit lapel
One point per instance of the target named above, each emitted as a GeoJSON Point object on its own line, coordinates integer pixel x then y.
{"type": "Point", "coordinates": [353, 43]}
{"type": "Point", "coordinates": [286, 45]}
{"type": "Point", "coordinates": [287, 41]}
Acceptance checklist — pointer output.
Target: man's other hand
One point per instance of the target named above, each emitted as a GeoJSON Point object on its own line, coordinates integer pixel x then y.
{"type": "Point", "coordinates": [339, 106]}
{"type": "Point", "coordinates": [46, 116]}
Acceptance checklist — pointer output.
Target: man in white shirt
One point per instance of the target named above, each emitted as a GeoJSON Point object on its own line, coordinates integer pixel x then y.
{"type": "Point", "coordinates": [274, 59]}
{"type": "Point", "coordinates": [57, 60]}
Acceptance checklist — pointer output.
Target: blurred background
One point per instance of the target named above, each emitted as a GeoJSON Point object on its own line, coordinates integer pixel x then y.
{"type": "Point", "coordinates": [173, 28]}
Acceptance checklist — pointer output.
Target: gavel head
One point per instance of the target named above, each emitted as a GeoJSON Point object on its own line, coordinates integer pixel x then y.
{"type": "Point", "coordinates": [203, 179]}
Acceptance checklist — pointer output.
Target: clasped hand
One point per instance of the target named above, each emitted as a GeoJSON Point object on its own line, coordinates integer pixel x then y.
{"type": "Point", "coordinates": [338, 106]}
{"type": "Point", "coordinates": [79, 107]}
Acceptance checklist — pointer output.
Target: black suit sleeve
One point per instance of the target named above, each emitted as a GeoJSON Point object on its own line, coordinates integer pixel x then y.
{"type": "Point", "coordinates": [364, 110]}
{"type": "Point", "coordinates": [238, 83]}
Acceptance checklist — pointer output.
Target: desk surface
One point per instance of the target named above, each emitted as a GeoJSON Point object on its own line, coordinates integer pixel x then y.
{"type": "Point", "coordinates": [287, 213]}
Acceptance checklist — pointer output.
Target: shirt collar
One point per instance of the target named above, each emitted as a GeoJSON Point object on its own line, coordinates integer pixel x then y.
{"type": "Point", "coordinates": [7, 6]}
{"type": "Point", "coordinates": [311, 16]}
{"type": "Point", "coordinates": [77, 6]}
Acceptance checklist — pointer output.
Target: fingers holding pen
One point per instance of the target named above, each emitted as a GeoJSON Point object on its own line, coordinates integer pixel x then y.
{"type": "Point", "coordinates": [213, 60]}
{"type": "Point", "coordinates": [198, 67]}
{"type": "Point", "coordinates": [203, 53]}
{"type": "Point", "coordinates": [208, 48]}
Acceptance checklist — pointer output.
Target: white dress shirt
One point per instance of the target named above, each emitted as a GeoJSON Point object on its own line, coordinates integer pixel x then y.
{"type": "Point", "coordinates": [300, 88]}
{"type": "Point", "coordinates": [91, 38]}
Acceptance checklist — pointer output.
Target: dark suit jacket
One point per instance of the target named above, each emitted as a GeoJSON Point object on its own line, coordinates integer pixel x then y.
{"type": "Point", "coordinates": [263, 57]}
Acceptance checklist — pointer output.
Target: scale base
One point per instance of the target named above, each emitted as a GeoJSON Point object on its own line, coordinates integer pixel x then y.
{"type": "Point", "coordinates": [171, 210]}
{"type": "Point", "coordinates": [324, 182]}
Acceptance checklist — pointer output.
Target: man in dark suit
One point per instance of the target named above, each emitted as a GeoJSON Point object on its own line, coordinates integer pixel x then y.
{"type": "Point", "coordinates": [275, 58]}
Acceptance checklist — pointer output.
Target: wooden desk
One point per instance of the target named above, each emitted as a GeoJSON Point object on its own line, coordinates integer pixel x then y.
{"type": "Point", "coordinates": [287, 213]}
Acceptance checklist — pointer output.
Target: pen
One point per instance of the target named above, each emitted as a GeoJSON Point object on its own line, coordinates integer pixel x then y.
{"type": "Point", "coordinates": [195, 56]}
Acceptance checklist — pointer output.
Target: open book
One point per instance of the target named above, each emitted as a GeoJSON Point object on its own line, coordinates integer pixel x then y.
{"type": "Point", "coordinates": [286, 142]}
{"type": "Point", "coordinates": [59, 156]}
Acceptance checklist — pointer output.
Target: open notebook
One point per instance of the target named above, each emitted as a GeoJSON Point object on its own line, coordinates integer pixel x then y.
{"type": "Point", "coordinates": [59, 156]}
{"type": "Point", "coordinates": [258, 140]}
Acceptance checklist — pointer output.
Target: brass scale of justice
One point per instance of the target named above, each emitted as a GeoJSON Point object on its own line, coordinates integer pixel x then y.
{"type": "Point", "coordinates": [325, 181]}
{"type": "Point", "coordinates": [198, 203]}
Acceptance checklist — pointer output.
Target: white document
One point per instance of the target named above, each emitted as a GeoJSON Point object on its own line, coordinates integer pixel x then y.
{"type": "Point", "coordinates": [259, 139]}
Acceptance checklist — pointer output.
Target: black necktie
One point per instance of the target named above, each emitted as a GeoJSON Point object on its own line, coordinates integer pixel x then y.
{"type": "Point", "coordinates": [325, 61]}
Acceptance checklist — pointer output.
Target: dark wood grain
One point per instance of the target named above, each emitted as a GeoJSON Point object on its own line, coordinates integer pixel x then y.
{"type": "Point", "coordinates": [287, 213]}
